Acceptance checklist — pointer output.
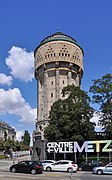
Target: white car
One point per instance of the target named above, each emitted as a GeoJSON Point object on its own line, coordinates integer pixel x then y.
{"type": "Point", "coordinates": [62, 165]}
{"type": "Point", "coordinates": [103, 170]}
{"type": "Point", "coordinates": [45, 162]}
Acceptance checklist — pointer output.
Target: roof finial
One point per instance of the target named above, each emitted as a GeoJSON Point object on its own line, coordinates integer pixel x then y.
{"type": "Point", "coordinates": [58, 29]}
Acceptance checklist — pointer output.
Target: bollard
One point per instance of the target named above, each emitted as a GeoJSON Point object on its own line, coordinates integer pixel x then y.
{"type": "Point", "coordinates": [71, 172]}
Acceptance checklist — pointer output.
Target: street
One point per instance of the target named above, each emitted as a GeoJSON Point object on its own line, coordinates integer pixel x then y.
{"type": "Point", "coordinates": [80, 175]}
{"type": "Point", "coordinates": [6, 175]}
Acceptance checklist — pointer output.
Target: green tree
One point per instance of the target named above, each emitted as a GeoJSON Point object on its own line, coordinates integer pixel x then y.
{"type": "Point", "coordinates": [2, 147]}
{"type": "Point", "coordinates": [70, 118]}
{"type": "Point", "coordinates": [26, 138]}
{"type": "Point", "coordinates": [102, 95]}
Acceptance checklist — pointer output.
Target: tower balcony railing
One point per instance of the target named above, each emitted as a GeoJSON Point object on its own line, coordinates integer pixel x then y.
{"type": "Point", "coordinates": [77, 61]}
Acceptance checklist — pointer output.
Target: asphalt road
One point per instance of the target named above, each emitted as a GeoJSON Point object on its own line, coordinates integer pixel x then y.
{"type": "Point", "coordinates": [80, 175]}
{"type": "Point", "coordinates": [6, 175]}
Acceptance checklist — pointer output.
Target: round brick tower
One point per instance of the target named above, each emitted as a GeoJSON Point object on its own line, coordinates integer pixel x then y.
{"type": "Point", "coordinates": [58, 63]}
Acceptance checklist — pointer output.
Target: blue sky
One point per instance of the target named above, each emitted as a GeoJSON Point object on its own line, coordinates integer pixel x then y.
{"type": "Point", "coordinates": [23, 24]}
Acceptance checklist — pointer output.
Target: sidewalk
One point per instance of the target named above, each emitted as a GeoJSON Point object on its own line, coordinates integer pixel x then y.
{"type": "Point", "coordinates": [5, 164]}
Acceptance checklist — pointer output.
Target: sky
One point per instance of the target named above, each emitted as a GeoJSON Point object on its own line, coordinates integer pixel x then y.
{"type": "Point", "coordinates": [23, 25]}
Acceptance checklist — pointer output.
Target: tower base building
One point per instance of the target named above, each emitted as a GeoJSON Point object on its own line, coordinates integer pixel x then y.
{"type": "Point", "coordinates": [58, 63]}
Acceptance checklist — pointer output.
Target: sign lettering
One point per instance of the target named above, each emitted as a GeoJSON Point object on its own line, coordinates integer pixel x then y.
{"type": "Point", "coordinates": [73, 147]}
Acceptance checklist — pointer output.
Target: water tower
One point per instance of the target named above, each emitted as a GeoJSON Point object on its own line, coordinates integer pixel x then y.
{"type": "Point", "coordinates": [58, 63]}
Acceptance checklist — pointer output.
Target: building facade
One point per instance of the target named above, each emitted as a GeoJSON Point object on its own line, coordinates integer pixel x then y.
{"type": "Point", "coordinates": [6, 131]}
{"type": "Point", "coordinates": [58, 63]}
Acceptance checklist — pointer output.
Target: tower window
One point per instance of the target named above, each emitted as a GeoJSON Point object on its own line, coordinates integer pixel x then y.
{"type": "Point", "coordinates": [51, 94]}
{"type": "Point", "coordinates": [62, 54]}
{"type": "Point", "coordinates": [59, 54]}
{"type": "Point", "coordinates": [63, 82]}
{"type": "Point", "coordinates": [52, 82]}
{"type": "Point", "coordinates": [54, 54]}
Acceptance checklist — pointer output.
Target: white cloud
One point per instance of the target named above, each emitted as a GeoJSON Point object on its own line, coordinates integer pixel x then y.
{"type": "Point", "coordinates": [19, 134]}
{"type": "Point", "coordinates": [5, 80]}
{"type": "Point", "coordinates": [21, 64]}
{"type": "Point", "coordinates": [12, 102]}
{"type": "Point", "coordinates": [95, 119]}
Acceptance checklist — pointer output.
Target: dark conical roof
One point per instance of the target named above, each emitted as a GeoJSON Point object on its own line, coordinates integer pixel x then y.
{"type": "Point", "coordinates": [58, 36]}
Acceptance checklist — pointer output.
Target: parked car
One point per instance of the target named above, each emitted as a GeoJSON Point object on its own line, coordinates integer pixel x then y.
{"type": "Point", "coordinates": [62, 165]}
{"type": "Point", "coordinates": [32, 167]}
{"type": "Point", "coordinates": [7, 155]}
{"type": "Point", "coordinates": [88, 166]}
{"type": "Point", "coordinates": [103, 170]}
{"type": "Point", "coordinates": [45, 162]}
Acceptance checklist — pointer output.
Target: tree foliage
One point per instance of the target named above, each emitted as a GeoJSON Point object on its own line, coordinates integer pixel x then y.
{"type": "Point", "coordinates": [1, 145]}
{"type": "Point", "coordinates": [26, 138]}
{"type": "Point", "coordinates": [7, 143]}
{"type": "Point", "coordinates": [70, 118]}
{"type": "Point", "coordinates": [102, 94]}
